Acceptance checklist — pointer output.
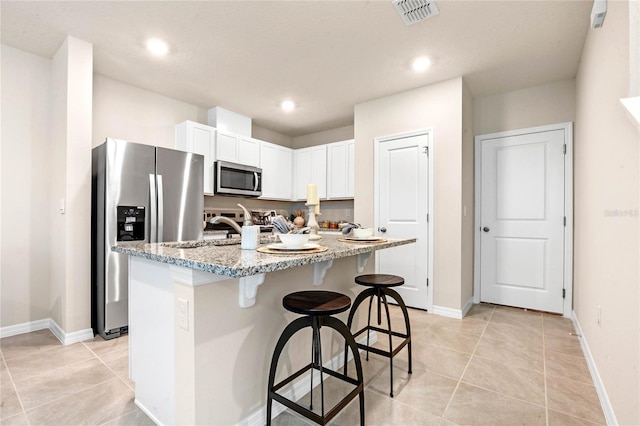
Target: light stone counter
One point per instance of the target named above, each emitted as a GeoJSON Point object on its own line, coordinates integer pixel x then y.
{"type": "Point", "coordinates": [225, 257]}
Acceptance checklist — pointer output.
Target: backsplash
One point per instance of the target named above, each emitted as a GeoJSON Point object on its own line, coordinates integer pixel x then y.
{"type": "Point", "coordinates": [333, 211]}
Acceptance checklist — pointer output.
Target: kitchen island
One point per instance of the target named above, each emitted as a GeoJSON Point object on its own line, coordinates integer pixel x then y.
{"type": "Point", "coordinates": [201, 332]}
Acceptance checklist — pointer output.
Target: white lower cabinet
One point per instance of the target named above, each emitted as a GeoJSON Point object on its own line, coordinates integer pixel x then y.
{"type": "Point", "coordinates": [199, 139]}
{"type": "Point", "coordinates": [310, 167]}
{"type": "Point", "coordinates": [276, 162]}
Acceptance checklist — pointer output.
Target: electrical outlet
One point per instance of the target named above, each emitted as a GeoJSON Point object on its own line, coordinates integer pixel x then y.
{"type": "Point", "coordinates": [183, 314]}
{"type": "Point", "coordinates": [599, 316]}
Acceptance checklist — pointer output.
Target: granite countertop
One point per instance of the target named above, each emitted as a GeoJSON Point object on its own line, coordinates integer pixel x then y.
{"type": "Point", "coordinates": [225, 257]}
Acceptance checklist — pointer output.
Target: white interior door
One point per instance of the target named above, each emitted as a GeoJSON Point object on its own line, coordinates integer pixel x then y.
{"type": "Point", "coordinates": [402, 194]}
{"type": "Point", "coordinates": [522, 220]}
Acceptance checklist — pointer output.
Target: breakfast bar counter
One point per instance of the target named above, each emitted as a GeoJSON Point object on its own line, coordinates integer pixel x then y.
{"type": "Point", "coordinates": [201, 332]}
{"type": "Point", "coordinates": [225, 257]}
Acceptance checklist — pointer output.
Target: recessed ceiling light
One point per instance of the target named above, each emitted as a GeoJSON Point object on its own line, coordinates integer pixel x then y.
{"type": "Point", "coordinates": [288, 106]}
{"type": "Point", "coordinates": [157, 46]}
{"type": "Point", "coordinates": [421, 64]}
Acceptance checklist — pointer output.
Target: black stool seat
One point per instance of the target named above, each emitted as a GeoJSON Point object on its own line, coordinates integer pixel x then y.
{"type": "Point", "coordinates": [380, 280]}
{"type": "Point", "coordinates": [317, 308]}
{"type": "Point", "coordinates": [379, 289]}
{"type": "Point", "coordinates": [316, 302]}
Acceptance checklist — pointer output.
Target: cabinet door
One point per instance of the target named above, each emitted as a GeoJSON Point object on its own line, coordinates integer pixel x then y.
{"type": "Point", "coordinates": [226, 146]}
{"type": "Point", "coordinates": [285, 168]}
{"type": "Point", "coordinates": [269, 166]}
{"type": "Point", "coordinates": [337, 170]}
{"type": "Point", "coordinates": [319, 169]}
{"type": "Point", "coordinates": [302, 160]}
{"type": "Point", "coordinates": [248, 151]}
{"type": "Point", "coordinates": [276, 163]}
{"type": "Point", "coordinates": [310, 167]}
{"type": "Point", "coordinates": [200, 139]}
{"type": "Point", "coordinates": [351, 163]}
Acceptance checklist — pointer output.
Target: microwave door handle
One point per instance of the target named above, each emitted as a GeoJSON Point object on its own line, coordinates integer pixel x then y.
{"type": "Point", "coordinates": [256, 179]}
{"type": "Point", "coordinates": [160, 210]}
{"type": "Point", "coordinates": [153, 204]}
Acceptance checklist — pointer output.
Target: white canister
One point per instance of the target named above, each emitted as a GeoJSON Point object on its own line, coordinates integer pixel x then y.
{"type": "Point", "coordinates": [250, 237]}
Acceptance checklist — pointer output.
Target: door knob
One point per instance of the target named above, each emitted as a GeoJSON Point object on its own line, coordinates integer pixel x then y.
{"type": "Point", "coordinates": [485, 229]}
{"type": "Point", "coordinates": [383, 229]}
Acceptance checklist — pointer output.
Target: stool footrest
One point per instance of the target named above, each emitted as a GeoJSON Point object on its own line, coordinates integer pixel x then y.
{"type": "Point", "coordinates": [305, 411]}
{"type": "Point", "coordinates": [388, 354]}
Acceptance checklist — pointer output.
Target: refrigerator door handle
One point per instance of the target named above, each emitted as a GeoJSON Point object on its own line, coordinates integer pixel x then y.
{"type": "Point", "coordinates": [256, 179]}
{"type": "Point", "coordinates": [160, 210]}
{"type": "Point", "coordinates": [153, 202]}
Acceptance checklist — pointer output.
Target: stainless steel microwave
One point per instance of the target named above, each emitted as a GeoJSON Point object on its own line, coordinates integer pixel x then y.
{"type": "Point", "coordinates": [237, 179]}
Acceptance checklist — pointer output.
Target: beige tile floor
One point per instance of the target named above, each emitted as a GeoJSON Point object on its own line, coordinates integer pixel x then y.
{"type": "Point", "coordinates": [45, 383]}
{"type": "Point", "coordinates": [497, 366]}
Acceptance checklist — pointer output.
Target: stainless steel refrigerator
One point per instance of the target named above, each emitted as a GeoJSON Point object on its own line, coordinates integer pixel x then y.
{"type": "Point", "coordinates": [140, 193]}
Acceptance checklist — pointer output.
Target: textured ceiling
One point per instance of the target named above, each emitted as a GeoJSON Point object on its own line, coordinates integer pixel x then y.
{"type": "Point", "coordinates": [247, 56]}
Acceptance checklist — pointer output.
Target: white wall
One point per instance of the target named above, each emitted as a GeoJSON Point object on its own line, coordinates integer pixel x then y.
{"type": "Point", "coordinates": [319, 138]}
{"type": "Point", "coordinates": [25, 171]}
{"type": "Point", "coordinates": [606, 213]}
{"type": "Point", "coordinates": [440, 107]}
{"type": "Point", "coordinates": [126, 112]}
{"type": "Point", "coordinates": [70, 245]}
{"type": "Point", "coordinates": [529, 107]}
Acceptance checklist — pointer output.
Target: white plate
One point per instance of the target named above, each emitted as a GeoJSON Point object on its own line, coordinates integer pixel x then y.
{"type": "Point", "coordinates": [305, 246]}
{"type": "Point", "coordinates": [362, 238]}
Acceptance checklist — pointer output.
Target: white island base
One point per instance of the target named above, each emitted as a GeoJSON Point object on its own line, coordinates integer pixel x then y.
{"type": "Point", "coordinates": [197, 358]}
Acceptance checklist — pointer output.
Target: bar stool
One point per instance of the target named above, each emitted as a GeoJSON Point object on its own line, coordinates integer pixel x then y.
{"type": "Point", "coordinates": [380, 287]}
{"type": "Point", "coordinates": [317, 306]}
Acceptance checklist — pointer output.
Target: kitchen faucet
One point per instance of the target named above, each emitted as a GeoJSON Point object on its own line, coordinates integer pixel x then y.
{"type": "Point", "coordinates": [228, 221]}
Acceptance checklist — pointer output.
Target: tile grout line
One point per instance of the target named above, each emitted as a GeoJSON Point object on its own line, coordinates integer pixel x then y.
{"type": "Point", "coordinates": [15, 389]}
{"type": "Point", "coordinates": [466, 366]}
{"type": "Point", "coordinates": [109, 368]}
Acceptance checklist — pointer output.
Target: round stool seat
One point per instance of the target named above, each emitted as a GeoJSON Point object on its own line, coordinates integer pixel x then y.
{"type": "Point", "coordinates": [380, 280]}
{"type": "Point", "coordinates": [316, 303]}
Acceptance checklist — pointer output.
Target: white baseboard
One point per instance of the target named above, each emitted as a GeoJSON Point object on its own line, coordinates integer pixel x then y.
{"type": "Point", "coordinates": [447, 312]}
{"type": "Point", "coordinates": [301, 388]}
{"type": "Point", "coordinates": [70, 338]}
{"type": "Point", "coordinates": [147, 412]}
{"type": "Point", "coordinates": [609, 414]}
{"type": "Point", "coordinates": [47, 323]}
{"type": "Point", "coordinates": [27, 327]}
{"type": "Point", "coordinates": [467, 307]}
{"type": "Point", "coordinates": [453, 313]}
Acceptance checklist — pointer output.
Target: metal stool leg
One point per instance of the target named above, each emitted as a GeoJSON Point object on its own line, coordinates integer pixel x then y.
{"type": "Point", "coordinates": [394, 295]}
{"type": "Point", "coordinates": [341, 328]}
{"type": "Point", "coordinates": [386, 308]}
{"type": "Point", "coordinates": [354, 307]}
{"type": "Point", "coordinates": [289, 331]}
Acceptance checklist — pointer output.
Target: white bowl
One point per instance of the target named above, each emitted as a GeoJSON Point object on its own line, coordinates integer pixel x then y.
{"type": "Point", "coordinates": [362, 232]}
{"type": "Point", "coordinates": [294, 241]}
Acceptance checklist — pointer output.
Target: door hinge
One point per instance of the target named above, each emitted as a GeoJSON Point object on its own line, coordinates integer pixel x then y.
{"type": "Point", "coordinates": [565, 221]}
{"type": "Point", "coordinates": [564, 293]}
{"type": "Point", "coordinates": [425, 150]}
{"type": "Point", "coordinates": [427, 282]}
{"type": "Point", "coordinates": [427, 217]}
{"type": "Point", "coordinates": [564, 149]}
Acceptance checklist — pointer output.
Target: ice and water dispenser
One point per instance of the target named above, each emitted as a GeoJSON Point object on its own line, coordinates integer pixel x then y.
{"type": "Point", "coordinates": [130, 223]}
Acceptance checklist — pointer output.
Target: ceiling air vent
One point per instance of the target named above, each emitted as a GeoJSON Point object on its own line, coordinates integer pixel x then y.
{"type": "Point", "coordinates": [412, 11]}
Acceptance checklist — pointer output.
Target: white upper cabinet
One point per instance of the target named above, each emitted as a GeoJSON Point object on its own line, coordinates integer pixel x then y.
{"type": "Point", "coordinates": [199, 139]}
{"type": "Point", "coordinates": [340, 174]}
{"type": "Point", "coordinates": [276, 162]}
{"type": "Point", "coordinates": [310, 167]}
{"type": "Point", "coordinates": [237, 149]}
